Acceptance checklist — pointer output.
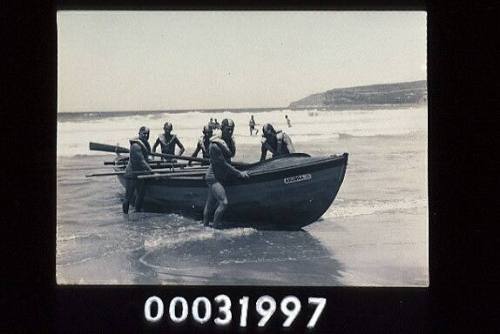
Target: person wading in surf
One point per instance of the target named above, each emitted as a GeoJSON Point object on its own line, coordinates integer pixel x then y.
{"type": "Point", "coordinates": [168, 141]}
{"type": "Point", "coordinates": [203, 144]}
{"type": "Point", "coordinates": [221, 150]}
{"type": "Point", "coordinates": [277, 142]}
{"type": "Point", "coordinates": [137, 162]}
{"type": "Point", "coordinates": [251, 125]}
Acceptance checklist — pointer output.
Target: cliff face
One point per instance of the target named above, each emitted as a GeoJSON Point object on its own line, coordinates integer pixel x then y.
{"type": "Point", "coordinates": [414, 92]}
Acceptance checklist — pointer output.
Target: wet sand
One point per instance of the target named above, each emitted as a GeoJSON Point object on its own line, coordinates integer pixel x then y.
{"type": "Point", "coordinates": [374, 234]}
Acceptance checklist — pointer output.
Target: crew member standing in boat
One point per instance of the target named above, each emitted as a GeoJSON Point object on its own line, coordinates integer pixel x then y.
{"type": "Point", "coordinates": [221, 150]}
{"type": "Point", "coordinates": [277, 142]}
{"type": "Point", "coordinates": [137, 162]}
{"type": "Point", "coordinates": [168, 141]}
{"type": "Point", "coordinates": [216, 124]}
{"type": "Point", "coordinates": [203, 144]}
{"type": "Point", "coordinates": [211, 124]}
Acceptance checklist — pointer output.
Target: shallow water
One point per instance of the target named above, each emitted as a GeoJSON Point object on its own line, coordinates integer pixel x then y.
{"type": "Point", "coordinates": [375, 233]}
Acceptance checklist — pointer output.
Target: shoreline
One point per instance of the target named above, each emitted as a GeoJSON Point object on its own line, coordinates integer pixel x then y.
{"type": "Point", "coordinates": [342, 107]}
{"type": "Point", "coordinates": [65, 116]}
{"type": "Point", "coordinates": [71, 115]}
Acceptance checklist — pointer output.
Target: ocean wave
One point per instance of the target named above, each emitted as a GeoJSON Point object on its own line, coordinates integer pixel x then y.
{"type": "Point", "coordinates": [72, 237]}
{"type": "Point", "coordinates": [73, 136]}
{"type": "Point", "coordinates": [359, 208]}
{"type": "Point", "coordinates": [408, 133]}
{"type": "Point", "coordinates": [273, 260]}
{"type": "Point", "coordinates": [193, 234]}
{"type": "Point", "coordinates": [75, 152]}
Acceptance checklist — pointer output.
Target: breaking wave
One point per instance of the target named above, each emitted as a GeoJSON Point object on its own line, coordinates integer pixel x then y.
{"type": "Point", "coordinates": [74, 134]}
{"type": "Point", "coordinates": [359, 208]}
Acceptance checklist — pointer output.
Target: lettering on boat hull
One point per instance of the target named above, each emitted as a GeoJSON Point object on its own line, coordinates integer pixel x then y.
{"type": "Point", "coordinates": [297, 178]}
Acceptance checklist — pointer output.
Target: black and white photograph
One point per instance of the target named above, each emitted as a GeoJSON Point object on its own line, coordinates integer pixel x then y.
{"type": "Point", "coordinates": [262, 148]}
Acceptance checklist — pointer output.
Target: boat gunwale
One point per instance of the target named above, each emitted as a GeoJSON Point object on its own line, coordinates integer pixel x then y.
{"type": "Point", "coordinates": [258, 177]}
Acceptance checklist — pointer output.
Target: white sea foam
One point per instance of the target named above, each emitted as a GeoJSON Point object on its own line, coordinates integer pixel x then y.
{"type": "Point", "coordinates": [371, 207]}
{"type": "Point", "coordinates": [184, 235]}
{"type": "Point", "coordinates": [73, 137]}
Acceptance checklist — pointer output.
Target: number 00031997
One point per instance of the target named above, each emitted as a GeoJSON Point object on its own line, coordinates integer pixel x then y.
{"type": "Point", "coordinates": [201, 310]}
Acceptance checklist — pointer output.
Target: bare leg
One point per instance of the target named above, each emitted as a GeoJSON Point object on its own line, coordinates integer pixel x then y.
{"type": "Point", "coordinates": [140, 195]}
{"type": "Point", "coordinates": [209, 205]}
{"type": "Point", "coordinates": [129, 194]}
{"type": "Point", "coordinates": [220, 195]}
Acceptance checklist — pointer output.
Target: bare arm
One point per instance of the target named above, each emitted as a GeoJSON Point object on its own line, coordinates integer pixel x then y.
{"type": "Point", "coordinates": [157, 142]}
{"type": "Point", "coordinates": [266, 146]}
{"type": "Point", "coordinates": [232, 148]}
{"type": "Point", "coordinates": [263, 152]}
{"type": "Point", "coordinates": [288, 142]}
{"type": "Point", "coordinates": [279, 145]}
{"type": "Point", "coordinates": [181, 147]}
{"type": "Point", "coordinates": [196, 151]}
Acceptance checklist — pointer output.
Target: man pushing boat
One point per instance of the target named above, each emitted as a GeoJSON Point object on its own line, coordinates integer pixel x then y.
{"type": "Point", "coordinates": [277, 142]}
{"type": "Point", "coordinates": [203, 144]}
{"type": "Point", "coordinates": [221, 149]}
{"type": "Point", "coordinates": [138, 161]}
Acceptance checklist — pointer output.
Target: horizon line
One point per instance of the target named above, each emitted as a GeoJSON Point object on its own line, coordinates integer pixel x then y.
{"type": "Point", "coordinates": [229, 109]}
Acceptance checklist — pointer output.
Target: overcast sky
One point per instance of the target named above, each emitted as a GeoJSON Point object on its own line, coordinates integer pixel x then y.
{"type": "Point", "coordinates": [193, 60]}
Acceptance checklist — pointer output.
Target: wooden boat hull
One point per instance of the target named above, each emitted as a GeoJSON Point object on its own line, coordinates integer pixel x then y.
{"type": "Point", "coordinates": [286, 194]}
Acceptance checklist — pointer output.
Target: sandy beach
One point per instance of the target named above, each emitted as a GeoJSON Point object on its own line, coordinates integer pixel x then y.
{"type": "Point", "coordinates": [374, 234]}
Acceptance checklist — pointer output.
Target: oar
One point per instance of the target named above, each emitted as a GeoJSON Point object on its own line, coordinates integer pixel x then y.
{"type": "Point", "coordinates": [113, 163]}
{"type": "Point", "coordinates": [123, 172]}
{"type": "Point", "coordinates": [196, 167]}
{"type": "Point", "coordinates": [159, 170]}
{"type": "Point", "coordinates": [107, 148]}
{"type": "Point", "coordinates": [171, 175]}
{"type": "Point", "coordinates": [113, 173]}
{"type": "Point", "coordinates": [118, 149]}
{"type": "Point", "coordinates": [152, 165]}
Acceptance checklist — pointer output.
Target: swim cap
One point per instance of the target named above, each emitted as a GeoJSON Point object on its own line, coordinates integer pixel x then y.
{"type": "Point", "coordinates": [167, 125]}
{"type": "Point", "coordinates": [207, 130]}
{"type": "Point", "coordinates": [268, 129]}
{"type": "Point", "coordinates": [226, 122]}
{"type": "Point", "coordinates": [143, 129]}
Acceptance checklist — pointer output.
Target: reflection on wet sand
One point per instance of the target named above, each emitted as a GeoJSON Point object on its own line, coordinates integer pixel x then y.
{"type": "Point", "coordinates": [260, 257]}
{"type": "Point", "coordinates": [375, 233]}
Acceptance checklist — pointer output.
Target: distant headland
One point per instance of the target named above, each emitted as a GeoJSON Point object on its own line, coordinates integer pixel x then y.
{"type": "Point", "coordinates": [367, 97]}
{"type": "Point", "coordinates": [386, 96]}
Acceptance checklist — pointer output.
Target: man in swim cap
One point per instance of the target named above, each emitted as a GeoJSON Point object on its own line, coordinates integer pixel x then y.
{"type": "Point", "coordinates": [277, 142]}
{"type": "Point", "coordinates": [203, 144]}
{"type": "Point", "coordinates": [168, 141]}
{"type": "Point", "coordinates": [211, 124]}
{"type": "Point", "coordinates": [137, 162]}
{"type": "Point", "coordinates": [221, 150]}
{"type": "Point", "coordinates": [227, 129]}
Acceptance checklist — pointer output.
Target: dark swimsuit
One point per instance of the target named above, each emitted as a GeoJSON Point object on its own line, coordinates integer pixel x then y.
{"type": "Point", "coordinates": [167, 147]}
{"type": "Point", "coordinates": [219, 153]}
